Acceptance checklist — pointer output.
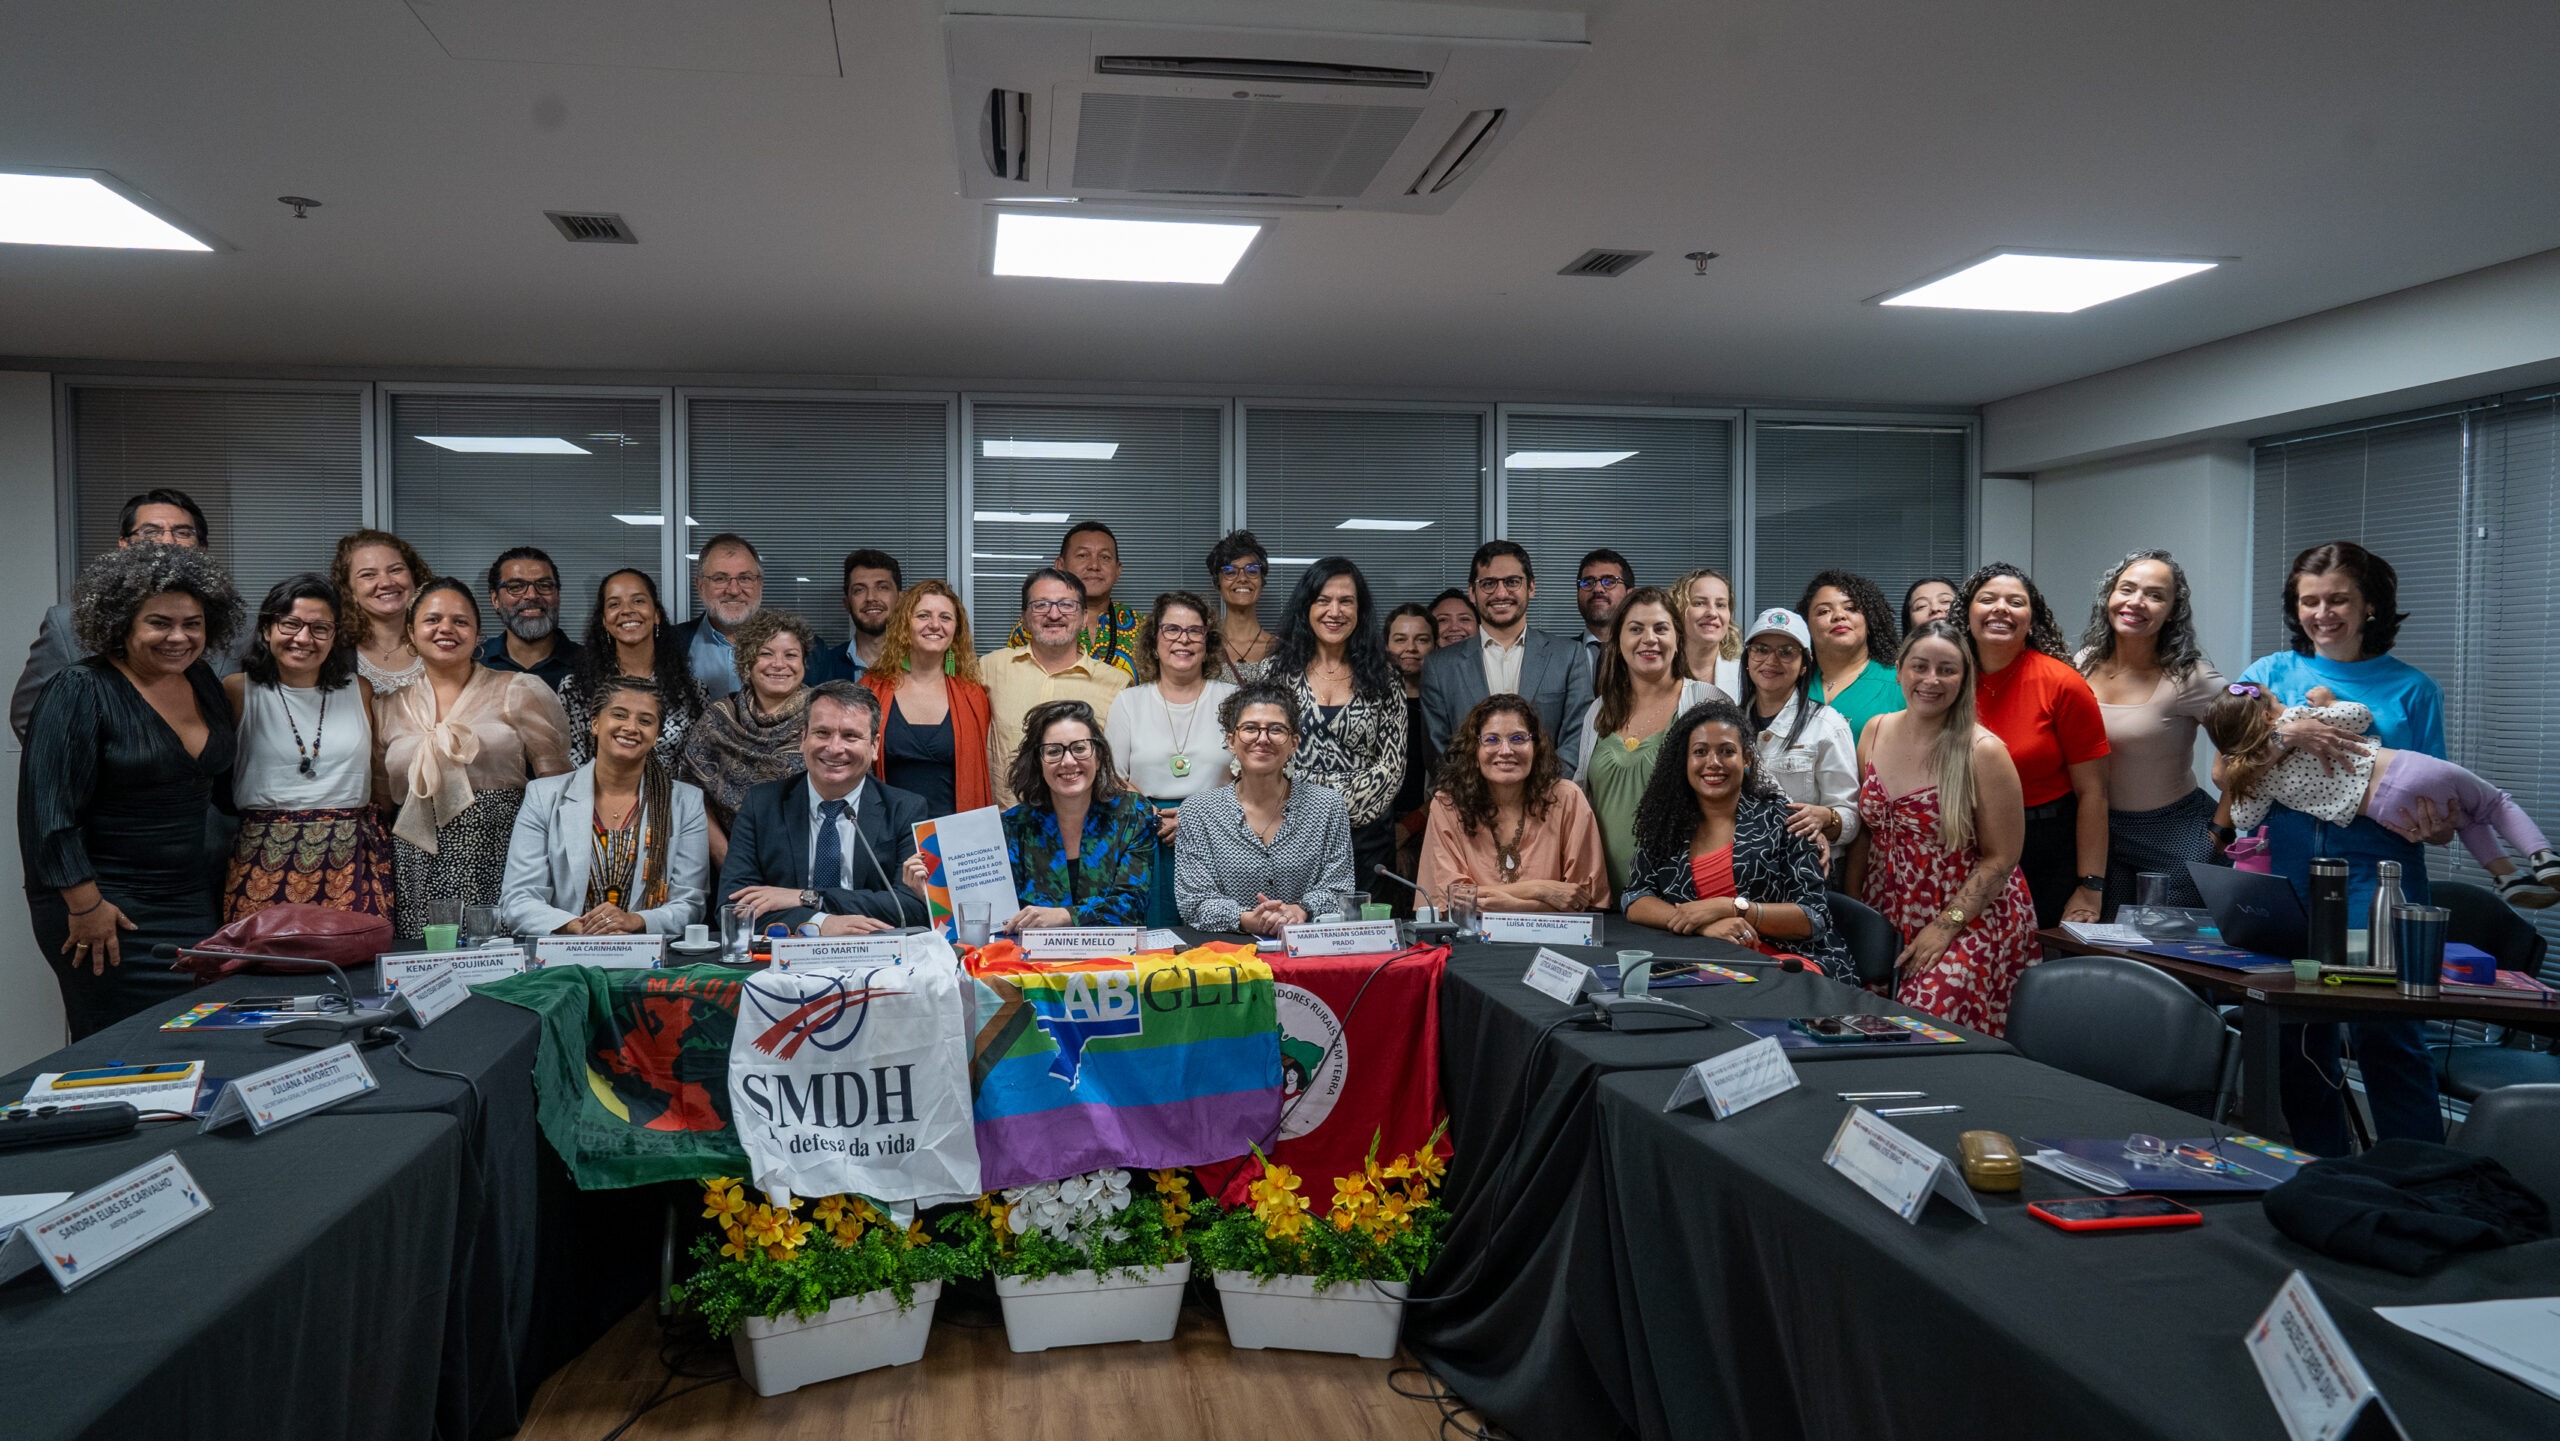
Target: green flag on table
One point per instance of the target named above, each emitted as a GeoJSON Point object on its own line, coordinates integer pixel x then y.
{"type": "Point", "coordinates": [632, 1081]}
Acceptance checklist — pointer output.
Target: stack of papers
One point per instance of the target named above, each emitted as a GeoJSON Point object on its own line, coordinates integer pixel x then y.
{"type": "Point", "coordinates": [2521, 1338]}
{"type": "Point", "coordinates": [2105, 933]}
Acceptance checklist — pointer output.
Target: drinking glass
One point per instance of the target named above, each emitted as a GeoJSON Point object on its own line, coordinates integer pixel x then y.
{"type": "Point", "coordinates": [2151, 888]}
{"type": "Point", "coordinates": [977, 923]}
{"type": "Point", "coordinates": [480, 926]}
{"type": "Point", "coordinates": [1462, 906]}
{"type": "Point", "coordinates": [444, 923]}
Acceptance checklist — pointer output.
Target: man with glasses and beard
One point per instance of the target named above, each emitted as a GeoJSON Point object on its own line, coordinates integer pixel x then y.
{"type": "Point", "coordinates": [872, 581]}
{"type": "Point", "coordinates": [730, 587]}
{"type": "Point", "coordinates": [1507, 657]}
{"type": "Point", "coordinates": [524, 590]}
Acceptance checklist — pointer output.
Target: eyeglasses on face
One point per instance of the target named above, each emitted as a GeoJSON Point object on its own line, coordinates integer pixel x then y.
{"type": "Point", "coordinates": [1265, 730]}
{"type": "Point", "coordinates": [1055, 607]}
{"type": "Point", "coordinates": [1241, 568]}
{"type": "Point", "coordinates": [166, 534]}
{"type": "Point", "coordinates": [1492, 741]}
{"type": "Point", "coordinates": [1599, 582]}
{"type": "Point", "coordinates": [733, 580]}
{"type": "Point", "coordinates": [519, 589]}
{"type": "Point", "coordinates": [1182, 632]}
{"type": "Point", "coordinates": [1060, 750]}
{"type": "Point", "coordinates": [1502, 582]}
{"type": "Point", "coordinates": [316, 629]}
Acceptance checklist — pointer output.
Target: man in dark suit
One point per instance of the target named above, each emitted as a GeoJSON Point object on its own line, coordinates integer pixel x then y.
{"type": "Point", "coordinates": [155, 517]}
{"type": "Point", "coordinates": [828, 845]}
{"type": "Point", "coordinates": [1553, 672]}
{"type": "Point", "coordinates": [872, 581]}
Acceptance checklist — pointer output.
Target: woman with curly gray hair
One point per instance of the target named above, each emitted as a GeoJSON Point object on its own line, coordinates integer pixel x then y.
{"type": "Point", "coordinates": [752, 734]}
{"type": "Point", "coordinates": [126, 755]}
{"type": "Point", "coordinates": [2153, 685]}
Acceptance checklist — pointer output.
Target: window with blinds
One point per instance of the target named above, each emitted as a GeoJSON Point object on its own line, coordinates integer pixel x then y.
{"type": "Point", "coordinates": [280, 473]}
{"type": "Point", "coordinates": [1886, 501]}
{"type": "Point", "coordinates": [1150, 472]}
{"type": "Point", "coordinates": [2396, 490]}
{"type": "Point", "coordinates": [1579, 481]}
{"type": "Point", "coordinates": [810, 480]}
{"type": "Point", "coordinates": [1398, 492]}
{"type": "Point", "coordinates": [578, 475]}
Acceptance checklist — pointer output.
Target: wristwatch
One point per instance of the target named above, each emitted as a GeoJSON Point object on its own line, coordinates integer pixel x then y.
{"type": "Point", "coordinates": [1742, 908]}
{"type": "Point", "coordinates": [2094, 883]}
{"type": "Point", "coordinates": [1953, 916]}
{"type": "Point", "coordinates": [810, 899]}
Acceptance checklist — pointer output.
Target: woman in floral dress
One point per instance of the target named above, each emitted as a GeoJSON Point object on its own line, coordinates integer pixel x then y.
{"type": "Point", "coordinates": [1944, 822]}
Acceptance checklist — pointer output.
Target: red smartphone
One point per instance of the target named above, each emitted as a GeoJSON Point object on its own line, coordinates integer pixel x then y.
{"type": "Point", "coordinates": [2115, 1213]}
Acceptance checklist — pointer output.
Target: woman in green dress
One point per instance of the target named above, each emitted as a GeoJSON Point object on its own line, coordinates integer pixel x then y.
{"type": "Point", "coordinates": [1853, 647]}
{"type": "Point", "coordinates": [1644, 684]}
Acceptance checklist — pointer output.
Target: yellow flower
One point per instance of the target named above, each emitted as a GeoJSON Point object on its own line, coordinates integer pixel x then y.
{"type": "Point", "coordinates": [767, 1224]}
{"type": "Point", "coordinates": [1350, 1191]}
{"type": "Point", "coordinates": [1394, 1213]}
{"type": "Point", "coordinates": [1429, 1165]}
{"type": "Point", "coordinates": [722, 1200]}
{"type": "Point", "coordinates": [737, 1246]}
{"type": "Point", "coordinates": [1399, 1168]}
{"type": "Point", "coordinates": [1170, 1183]}
{"type": "Point", "coordinates": [1289, 1225]}
{"type": "Point", "coordinates": [916, 1235]}
{"type": "Point", "coordinates": [1175, 1217]}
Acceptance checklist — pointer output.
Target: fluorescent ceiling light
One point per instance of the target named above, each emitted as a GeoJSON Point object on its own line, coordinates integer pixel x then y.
{"type": "Point", "coordinates": [1075, 247]}
{"type": "Point", "coordinates": [74, 209]}
{"type": "Point", "coordinates": [1048, 450]}
{"type": "Point", "coordinates": [1293, 559]}
{"type": "Point", "coordinates": [2051, 284]}
{"type": "Point", "coordinates": [804, 580]}
{"type": "Point", "coordinates": [1005, 555]}
{"type": "Point", "coordinates": [1565, 459]}
{"type": "Point", "coordinates": [507, 444]}
{"type": "Point", "coordinates": [1363, 523]}
{"type": "Point", "coordinates": [1021, 517]}
{"type": "Point", "coordinates": [634, 519]}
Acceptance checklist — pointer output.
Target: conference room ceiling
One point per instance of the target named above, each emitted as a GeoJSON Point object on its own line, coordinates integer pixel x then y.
{"type": "Point", "coordinates": [798, 224]}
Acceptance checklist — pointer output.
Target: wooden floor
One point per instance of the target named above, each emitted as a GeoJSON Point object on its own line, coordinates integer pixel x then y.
{"type": "Point", "coordinates": [970, 1387]}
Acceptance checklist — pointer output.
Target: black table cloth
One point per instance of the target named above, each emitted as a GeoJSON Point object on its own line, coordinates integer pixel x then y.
{"type": "Point", "coordinates": [311, 1301]}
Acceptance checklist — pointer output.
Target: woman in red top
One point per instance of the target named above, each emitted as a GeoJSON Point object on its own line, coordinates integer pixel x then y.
{"type": "Point", "coordinates": [2042, 709]}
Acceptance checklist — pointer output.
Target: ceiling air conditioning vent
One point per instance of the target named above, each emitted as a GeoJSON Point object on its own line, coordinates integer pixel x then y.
{"type": "Point", "coordinates": [1606, 264]}
{"type": "Point", "coordinates": [591, 229]}
{"type": "Point", "coordinates": [1273, 72]}
{"type": "Point", "coordinates": [1121, 110]}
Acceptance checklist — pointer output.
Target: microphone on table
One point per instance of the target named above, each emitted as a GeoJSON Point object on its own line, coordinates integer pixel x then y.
{"type": "Point", "coordinates": [303, 965]}
{"type": "Point", "coordinates": [317, 1031]}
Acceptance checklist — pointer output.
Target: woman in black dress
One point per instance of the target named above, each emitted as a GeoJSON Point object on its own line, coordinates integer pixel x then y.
{"type": "Point", "coordinates": [127, 753]}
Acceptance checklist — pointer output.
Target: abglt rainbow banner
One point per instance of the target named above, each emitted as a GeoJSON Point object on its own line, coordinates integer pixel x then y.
{"type": "Point", "coordinates": [1137, 1061]}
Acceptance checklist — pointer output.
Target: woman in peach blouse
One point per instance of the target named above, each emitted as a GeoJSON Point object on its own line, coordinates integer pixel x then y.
{"type": "Point", "coordinates": [458, 746]}
{"type": "Point", "coordinates": [1505, 818]}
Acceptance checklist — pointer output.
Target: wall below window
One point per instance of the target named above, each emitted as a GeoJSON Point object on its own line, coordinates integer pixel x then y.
{"type": "Point", "coordinates": [30, 1003]}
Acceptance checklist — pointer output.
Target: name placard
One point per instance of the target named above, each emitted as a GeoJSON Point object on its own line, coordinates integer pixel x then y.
{"type": "Point", "coordinates": [1340, 938]}
{"type": "Point", "coordinates": [2319, 1388]}
{"type": "Point", "coordinates": [471, 967]}
{"type": "Point", "coordinates": [815, 953]}
{"type": "Point", "coordinates": [1557, 977]}
{"type": "Point", "coordinates": [612, 953]}
{"type": "Point", "coordinates": [1077, 943]}
{"type": "Point", "coordinates": [1568, 928]}
{"type": "Point", "coordinates": [293, 1090]}
{"type": "Point", "coordinates": [432, 994]}
{"type": "Point", "coordinates": [79, 1238]}
{"type": "Point", "coordinates": [1737, 1080]}
{"type": "Point", "coordinates": [1162, 938]}
{"type": "Point", "coordinates": [1895, 1169]}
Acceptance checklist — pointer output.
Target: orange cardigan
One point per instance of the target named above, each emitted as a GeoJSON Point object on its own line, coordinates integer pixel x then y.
{"type": "Point", "coordinates": [971, 717]}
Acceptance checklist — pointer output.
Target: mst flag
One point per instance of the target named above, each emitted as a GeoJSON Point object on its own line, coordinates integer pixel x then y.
{"type": "Point", "coordinates": [632, 1080]}
{"type": "Point", "coordinates": [1138, 1062]}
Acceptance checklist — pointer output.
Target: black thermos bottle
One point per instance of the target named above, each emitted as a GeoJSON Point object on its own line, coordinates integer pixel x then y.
{"type": "Point", "coordinates": [2329, 911]}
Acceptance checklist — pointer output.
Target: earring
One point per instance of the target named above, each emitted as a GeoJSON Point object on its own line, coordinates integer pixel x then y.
{"type": "Point", "coordinates": [1235, 768]}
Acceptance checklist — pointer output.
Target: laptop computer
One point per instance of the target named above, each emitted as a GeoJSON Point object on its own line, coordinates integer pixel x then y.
{"type": "Point", "coordinates": [2253, 910]}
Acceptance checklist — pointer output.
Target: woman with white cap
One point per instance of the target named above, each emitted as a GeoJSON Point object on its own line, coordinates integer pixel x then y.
{"type": "Point", "coordinates": [1804, 746]}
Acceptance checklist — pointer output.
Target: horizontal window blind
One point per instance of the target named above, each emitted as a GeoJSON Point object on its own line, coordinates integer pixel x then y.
{"type": "Point", "coordinates": [2513, 625]}
{"type": "Point", "coordinates": [1307, 472]}
{"type": "Point", "coordinates": [593, 510]}
{"type": "Point", "coordinates": [280, 473]}
{"type": "Point", "coordinates": [1886, 501]}
{"type": "Point", "coordinates": [2395, 489]}
{"type": "Point", "coordinates": [1667, 507]}
{"type": "Point", "coordinates": [809, 480]}
{"type": "Point", "coordinates": [1157, 489]}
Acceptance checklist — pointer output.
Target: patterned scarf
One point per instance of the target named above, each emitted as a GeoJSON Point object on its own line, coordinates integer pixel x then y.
{"type": "Point", "coordinates": [619, 852]}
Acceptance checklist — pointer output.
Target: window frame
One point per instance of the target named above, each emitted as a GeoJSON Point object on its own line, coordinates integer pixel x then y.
{"type": "Point", "coordinates": [1737, 418]}
{"type": "Point", "coordinates": [1746, 578]}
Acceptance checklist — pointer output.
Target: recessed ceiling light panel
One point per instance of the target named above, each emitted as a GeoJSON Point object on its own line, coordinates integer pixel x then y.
{"type": "Point", "coordinates": [1565, 459]}
{"type": "Point", "coordinates": [506, 444]}
{"type": "Point", "coordinates": [2048, 284]}
{"type": "Point", "coordinates": [1361, 522]}
{"type": "Point", "coordinates": [82, 208]}
{"type": "Point", "coordinates": [1048, 450]}
{"type": "Point", "coordinates": [1019, 517]}
{"type": "Point", "coordinates": [1083, 247]}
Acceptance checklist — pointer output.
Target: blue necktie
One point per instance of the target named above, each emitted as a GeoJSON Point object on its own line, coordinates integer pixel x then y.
{"type": "Point", "coordinates": [828, 869]}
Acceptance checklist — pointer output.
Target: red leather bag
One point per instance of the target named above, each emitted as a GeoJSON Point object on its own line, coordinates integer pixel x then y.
{"type": "Point", "coordinates": [310, 933]}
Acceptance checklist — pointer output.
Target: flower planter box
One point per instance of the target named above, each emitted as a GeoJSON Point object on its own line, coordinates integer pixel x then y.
{"type": "Point", "coordinates": [1291, 1313]}
{"type": "Point", "coordinates": [1082, 1309]}
{"type": "Point", "coordinates": [859, 1333]}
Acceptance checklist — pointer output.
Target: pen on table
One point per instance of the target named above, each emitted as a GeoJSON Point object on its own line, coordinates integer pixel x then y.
{"type": "Point", "coordinates": [1882, 1095]}
{"type": "Point", "coordinates": [1917, 1110]}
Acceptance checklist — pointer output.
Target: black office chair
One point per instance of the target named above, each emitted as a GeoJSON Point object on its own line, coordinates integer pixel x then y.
{"type": "Point", "coordinates": [2519, 1128]}
{"type": "Point", "coordinates": [1872, 941]}
{"type": "Point", "coordinates": [2472, 1060]}
{"type": "Point", "coordinates": [2123, 1023]}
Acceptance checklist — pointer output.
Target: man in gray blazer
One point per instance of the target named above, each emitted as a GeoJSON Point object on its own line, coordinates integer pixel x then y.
{"type": "Point", "coordinates": [155, 517]}
{"type": "Point", "coordinates": [1552, 671]}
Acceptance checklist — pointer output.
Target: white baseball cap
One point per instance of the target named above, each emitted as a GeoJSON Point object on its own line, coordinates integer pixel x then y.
{"type": "Point", "coordinates": [1785, 622]}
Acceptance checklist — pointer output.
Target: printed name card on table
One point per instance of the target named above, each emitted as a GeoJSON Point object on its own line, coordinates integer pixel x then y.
{"type": "Point", "coordinates": [1341, 938]}
{"type": "Point", "coordinates": [293, 1090]}
{"type": "Point", "coordinates": [1525, 928]}
{"type": "Point", "coordinates": [818, 953]}
{"type": "Point", "coordinates": [1737, 1080]}
{"type": "Point", "coordinates": [1078, 943]}
{"type": "Point", "coordinates": [611, 953]}
{"type": "Point", "coordinates": [429, 996]}
{"type": "Point", "coordinates": [1557, 977]}
{"type": "Point", "coordinates": [2319, 1388]}
{"type": "Point", "coordinates": [85, 1235]}
{"type": "Point", "coordinates": [471, 967]}
{"type": "Point", "coordinates": [1895, 1169]}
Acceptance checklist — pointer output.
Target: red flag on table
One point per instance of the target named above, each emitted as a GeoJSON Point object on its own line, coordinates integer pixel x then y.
{"type": "Point", "coordinates": [1359, 1062]}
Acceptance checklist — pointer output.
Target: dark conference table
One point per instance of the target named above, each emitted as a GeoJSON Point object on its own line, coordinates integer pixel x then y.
{"type": "Point", "coordinates": [532, 1272]}
{"type": "Point", "coordinates": [1618, 1271]}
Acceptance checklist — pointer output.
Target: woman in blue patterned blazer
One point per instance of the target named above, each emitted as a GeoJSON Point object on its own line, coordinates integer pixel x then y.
{"type": "Point", "coordinates": [1082, 844]}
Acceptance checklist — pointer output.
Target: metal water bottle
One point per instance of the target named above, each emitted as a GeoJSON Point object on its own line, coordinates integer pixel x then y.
{"type": "Point", "coordinates": [2329, 911]}
{"type": "Point", "coordinates": [2382, 949]}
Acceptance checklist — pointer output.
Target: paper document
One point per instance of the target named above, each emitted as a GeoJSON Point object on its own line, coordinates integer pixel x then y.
{"type": "Point", "coordinates": [2521, 1338]}
{"type": "Point", "coordinates": [966, 864]}
{"type": "Point", "coordinates": [2105, 933]}
{"type": "Point", "coordinates": [177, 1095]}
{"type": "Point", "coordinates": [14, 1209]}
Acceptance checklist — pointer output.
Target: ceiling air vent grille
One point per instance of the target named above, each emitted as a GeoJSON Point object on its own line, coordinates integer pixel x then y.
{"type": "Point", "coordinates": [1272, 72]}
{"type": "Point", "coordinates": [589, 229]}
{"type": "Point", "coordinates": [1606, 264]}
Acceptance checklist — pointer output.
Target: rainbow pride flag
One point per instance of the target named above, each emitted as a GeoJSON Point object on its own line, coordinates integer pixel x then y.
{"type": "Point", "coordinates": [1137, 1061]}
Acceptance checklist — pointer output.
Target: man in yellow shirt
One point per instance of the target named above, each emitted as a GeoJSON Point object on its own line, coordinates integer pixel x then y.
{"type": "Point", "coordinates": [1050, 667]}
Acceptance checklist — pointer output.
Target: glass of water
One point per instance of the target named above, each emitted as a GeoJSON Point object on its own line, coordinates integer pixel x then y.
{"type": "Point", "coordinates": [1463, 902]}
{"type": "Point", "coordinates": [977, 923]}
{"type": "Point", "coordinates": [480, 926]}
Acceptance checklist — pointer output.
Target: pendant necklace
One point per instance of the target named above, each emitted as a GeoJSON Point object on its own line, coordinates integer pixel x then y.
{"type": "Point", "coordinates": [1180, 764]}
{"type": "Point", "coordinates": [1510, 854]}
{"type": "Point", "coordinates": [318, 724]}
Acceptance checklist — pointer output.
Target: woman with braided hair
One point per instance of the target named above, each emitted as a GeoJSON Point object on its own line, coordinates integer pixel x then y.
{"type": "Point", "coordinates": [618, 846]}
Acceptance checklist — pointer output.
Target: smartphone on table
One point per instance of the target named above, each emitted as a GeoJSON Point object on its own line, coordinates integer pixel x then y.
{"type": "Point", "coordinates": [2115, 1213]}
